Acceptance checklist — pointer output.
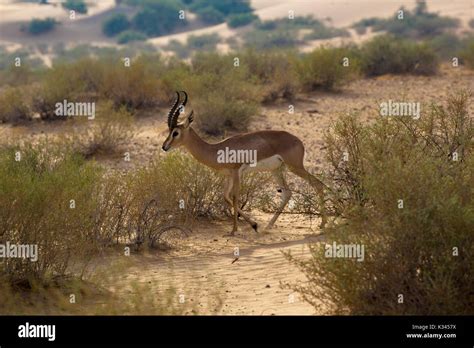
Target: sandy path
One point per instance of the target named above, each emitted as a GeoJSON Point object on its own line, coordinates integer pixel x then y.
{"type": "Point", "coordinates": [249, 286]}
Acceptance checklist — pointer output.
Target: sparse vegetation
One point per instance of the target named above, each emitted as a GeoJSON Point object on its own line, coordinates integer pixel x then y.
{"type": "Point", "coordinates": [214, 12]}
{"type": "Point", "coordinates": [108, 133]}
{"type": "Point", "coordinates": [224, 98]}
{"type": "Point", "coordinates": [281, 33]}
{"type": "Point", "coordinates": [417, 24]}
{"type": "Point", "coordinates": [389, 161]}
{"type": "Point", "coordinates": [41, 26]}
{"type": "Point", "coordinates": [239, 20]}
{"type": "Point", "coordinates": [467, 54]}
{"type": "Point", "coordinates": [14, 107]}
{"type": "Point", "coordinates": [327, 68]}
{"type": "Point", "coordinates": [47, 173]}
{"type": "Point", "coordinates": [157, 18]}
{"type": "Point", "coordinates": [389, 55]}
{"type": "Point", "coordinates": [129, 36]}
{"type": "Point", "coordinates": [76, 5]}
{"type": "Point", "coordinates": [115, 24]}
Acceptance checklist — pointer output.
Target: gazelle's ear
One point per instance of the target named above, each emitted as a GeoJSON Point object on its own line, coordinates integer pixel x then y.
{"type": "Point", "coordinates": [188, 120]}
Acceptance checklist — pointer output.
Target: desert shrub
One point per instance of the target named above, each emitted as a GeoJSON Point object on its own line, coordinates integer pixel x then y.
{"type": "Point", "coordinates": [203, 42]}
{"type": "Point", "coordinates": [467, 54]}
{"type": "Point", "coordinates": [40, 26]}
{"type": "Point", "coordinates": [446, 45]}
{"type": "Point", "coordinates": [362, 25]}
{"type": "Point", "coordinates": [107, 133]}
{"type": "Point", "coordinates": [417, 24]}
{"type": "Point", "coordinates": [275, 72]}
{"type": "Point", "coordinates": [421, 249]}
{"type": "Point", "coordinates": [286, 32]}
{"type": "Point", "coordinates": [115, 24]}
{"type": "Point", "coordinates": [17, 76]}
{"type": "Point", "coordinates": [168, 194]}
{"type": "Point", "coordinates": [213, 12]}
{"type": "Point", "coordinates": [14, 108]}
{"type": "Point", "coordinates": [239, 20]}
{"type": "Point", "coordinates": [76, 5]}
{"type": "Point", "coordinates": [210, 15]}
{"type": "Point", "coordinates": [268, 39]}
{"type": "Point", "coordinates": [157, 18]}
{"type": "Point", "coordinates": [28, 61]}
{"type": "Point", "coordinates": [46, 199]}
{"type": "Point", "coordinates": [181, 51]}
{"type": "Point", "coordinates": [224, 98]}
{"type": "Point", "coordinates": [388, 55]}
{"type": "Point", "coordinates": [129, 36]}
{"type": "Point", "coordinates": [320, 31]}
{"type": "Point", "coordinates": [136, 86]}
{"type": "Point", "coordinates": [324, 68]}
{"type": "Point", "coordinates": [72, 82]}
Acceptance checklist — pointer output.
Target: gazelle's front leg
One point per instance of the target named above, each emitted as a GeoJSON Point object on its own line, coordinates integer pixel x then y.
{"type": "Point", "coordinates": [228, 196]}
{"type": "Point", "coordinates": [235, 198]}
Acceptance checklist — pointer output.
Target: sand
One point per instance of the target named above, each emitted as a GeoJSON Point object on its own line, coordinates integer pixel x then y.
{"type": "Point", "coordinates": [88, 28]}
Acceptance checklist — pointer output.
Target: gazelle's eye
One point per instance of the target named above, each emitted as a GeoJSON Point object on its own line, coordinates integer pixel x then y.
{"type": "Point", "coordinates": [175, 134]}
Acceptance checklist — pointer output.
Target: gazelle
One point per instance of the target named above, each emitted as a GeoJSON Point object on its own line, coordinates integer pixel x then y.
{"type": "Point", "coordinates": [274, 151]}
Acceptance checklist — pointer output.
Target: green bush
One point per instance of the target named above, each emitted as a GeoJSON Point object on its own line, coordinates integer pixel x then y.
{"type": "Point", "coordinates": [321, 31]}
{"type": "Point", "coordinates": [115, 24]}
{"type": "Point", "coordinates": [71, 82]}
{"type": "Point", "coordinates": [135, 87]}
{"type": "Point", "coordinates": [324, 68]}
{"type": "Point", "coordinates": [108, 133]}
{"type": "Point", "coordinates": [270, 39]}
{"type": "Point", "coordinates": [225, 7]}
{"type": "Point", "coordinates": [41, 26]}
{"type": "Point", "coordinates": [467, 54]}
{"type": "Point", "coordinates": [389, 55]}
{"type": "Point", "coordinates": [422, 249]}
{"type": "Point", "coordinates": [129, 36]}
{"type": "Point", "coordinates": [14, 106]}
{"type": "Point", "coordinates": [446, 45]}
{"type": "Point", "coordinates": [210, 15]}
{"type": "Point", "coordinates": [76, 5]}
{"type": "Point", "coordinates": [46, 199]}
{"type": "Point", "coordinates": [275, 72]}
{"type": "Point", "coordinates": [158, 18]}
{"type": "Point", "coordinates": [239, 20]}
{"type": "Point", "coordinates": [203, 42]}
{"type": "Point", "coordinates": [224, 98]}
{"type": "Point", "coordinates": [417, 24]}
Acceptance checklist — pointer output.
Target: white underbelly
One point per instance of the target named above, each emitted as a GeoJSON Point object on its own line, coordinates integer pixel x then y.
{"type": "Point", "coordinates": [267, 164]}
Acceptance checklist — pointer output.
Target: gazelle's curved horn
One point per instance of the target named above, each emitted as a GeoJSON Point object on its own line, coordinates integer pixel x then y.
{"type": "Point", "coordinates": [172, 112]}
{"type": "Point", "coordinates": [185, 98]}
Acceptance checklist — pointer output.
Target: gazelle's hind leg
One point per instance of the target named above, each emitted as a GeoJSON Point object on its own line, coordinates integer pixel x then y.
{"type": "Point", "coordinates": [229, 198]}
{"type": "Point", "coordinates": [279, 176]}
{"type": "Point", "coordinates": [317, 184]}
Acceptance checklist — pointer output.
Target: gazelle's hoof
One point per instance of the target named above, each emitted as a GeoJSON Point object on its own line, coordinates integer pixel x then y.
{"type": "Point", "coordinates": [255, 227]}
{"type": "Point", "coordinates": [231, 234]}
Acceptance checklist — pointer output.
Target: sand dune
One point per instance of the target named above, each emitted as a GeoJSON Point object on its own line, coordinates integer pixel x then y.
{"type": "Point", "coordinates": [87, 28]}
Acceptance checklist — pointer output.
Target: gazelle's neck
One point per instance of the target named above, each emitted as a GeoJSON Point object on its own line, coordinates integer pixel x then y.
{"type": "Point", "coordinates": [201, 150]}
